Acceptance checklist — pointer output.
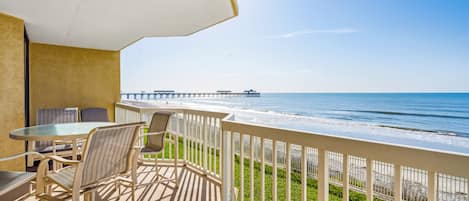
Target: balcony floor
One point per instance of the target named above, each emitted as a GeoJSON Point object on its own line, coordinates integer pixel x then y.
{"type": "Point", "coordinates": [192, 186]}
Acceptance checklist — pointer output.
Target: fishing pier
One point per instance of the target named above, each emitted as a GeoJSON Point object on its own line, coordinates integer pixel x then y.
{"type": "Point", "coordinates": [165, 94]}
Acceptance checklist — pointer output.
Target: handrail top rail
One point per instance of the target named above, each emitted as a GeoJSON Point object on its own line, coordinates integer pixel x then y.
{"type": "Point", "coordinates": [144, 107]}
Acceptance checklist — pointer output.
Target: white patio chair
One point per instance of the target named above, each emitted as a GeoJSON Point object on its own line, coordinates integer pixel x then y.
{"type": "Point", "coordinates": [108, 154]}
{"type": "Point", "coordinates": [15, 184]}
{"type": "Point", "coordinates": [56, 147]}
{"type": "Point", "coordinates": [155, 143]}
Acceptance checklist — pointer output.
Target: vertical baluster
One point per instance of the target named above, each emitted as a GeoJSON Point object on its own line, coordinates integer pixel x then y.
{"type": "Point", "coordinates": [201, 141]}
{"type": "Point", "coordinates": [205, 141]}
{"type": "Point", "coordinates": [170, 148]}
{"type": "Point", "coordinates": [397, 183]}
{"type": "Point", "coordinates": [225, 166]}
{"type": "Point", "coordinates": [178, 135]}
{"type": "Point", "coordinates": [251, 168]}
{"type": "Point", "coordinates": [304, 174]}
{"type": "Point", "coordinates": [184, 122]}
{"type": "Point", "coordinates": [323, 175]}
{"type": "Point", "coordinates": [262, 169]}
{"type": "Point", "coordinates": [432, 187]}
{"type": "Point", "coordinates": [369, 179]}
{"type": "Point", "coordinates": [345, 177]}
{"type": "Point", "coordinates": [274, 170]}
{"type": "Point", "coordinates": [209, 154]}
{"type": "Point", "coordinates": [467, 189]}
{"type": "Point", "coordinates": [219, 128]}
{"type": "Point", "coordinates": [288, 172]}
{"type": "Point", "coordinates": [176, 149]}
{"type": "Point", "coordinates": [197, 140]}
{"type": "Point", "coordinates": [233, 161]}
{"type": "Point", "coordinates": [241, 167]}
{"type": "Point", "coordinates": [164, 149]}
{"type": "Point", "coordinates": [197, 137]}
{"type": "Point", "coordinates": [192, 139]}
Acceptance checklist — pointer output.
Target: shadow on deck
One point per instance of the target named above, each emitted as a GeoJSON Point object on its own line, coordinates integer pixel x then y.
{"type": "Point", "coordinates": [192, 186]}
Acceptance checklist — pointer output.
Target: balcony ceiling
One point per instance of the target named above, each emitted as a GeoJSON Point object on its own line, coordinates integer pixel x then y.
{"type": "Point", "coordinates": [114, 24]}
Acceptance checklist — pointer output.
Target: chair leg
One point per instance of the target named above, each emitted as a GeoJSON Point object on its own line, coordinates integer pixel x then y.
{"type": "Point", "coordinates": [88, 196]}
{"type": "Point", "coordinates": [133, 192]}
{"type": "Point", "coordinates": [74, 149]}
{"type": "Point", "coordinates": [134, 180]}
{"type": "Point", "coordinates": [54, 152]}
{"type": "Point", "coordinates": [118, 189]}
{"type": "Point", "coordinates": [30, 158]}
{"type": "Point", "coordinates": [157, 171]}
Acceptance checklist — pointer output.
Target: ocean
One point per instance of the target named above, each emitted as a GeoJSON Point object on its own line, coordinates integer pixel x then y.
{"type": "Point", "coordinates": [428, 120]}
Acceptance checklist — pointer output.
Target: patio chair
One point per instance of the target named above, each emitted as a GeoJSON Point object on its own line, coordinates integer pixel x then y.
{"type": "Point", "coordinates": [109, 154]}
{"type": "Point", "coordinates": [94, 114]}
{"type": "Point", "coordinates": [14, 184]}
{"type": "Point", "coordinates": [62, 148]}
{"type": "Point", "coordinates": [155, 143]}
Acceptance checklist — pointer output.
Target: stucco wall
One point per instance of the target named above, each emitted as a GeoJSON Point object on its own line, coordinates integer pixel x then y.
{"type": "Point", "coordinates": [67, 76]}
{"type": "Point", "coordinates": [11, 88]}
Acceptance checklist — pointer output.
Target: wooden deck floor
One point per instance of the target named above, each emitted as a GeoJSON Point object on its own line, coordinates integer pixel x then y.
{"type": "Point", "coordinates": [192, 187]}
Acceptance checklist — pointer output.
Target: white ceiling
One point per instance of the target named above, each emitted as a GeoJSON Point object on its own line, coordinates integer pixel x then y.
{"type": "Point", "coordinates": [114, 24]}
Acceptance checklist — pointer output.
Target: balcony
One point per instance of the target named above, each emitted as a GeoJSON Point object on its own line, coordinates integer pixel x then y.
{"type": "Point", "coordinates": [305, 165]}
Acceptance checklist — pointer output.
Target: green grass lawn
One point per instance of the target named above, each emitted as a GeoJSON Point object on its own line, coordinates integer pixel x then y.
{"type": "Point", "coordinates": [335, 192]}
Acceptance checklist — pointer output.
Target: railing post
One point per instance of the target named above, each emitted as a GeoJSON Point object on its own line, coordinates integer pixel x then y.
{"type": "Point", "coordinates": [369, 179]}
{"type": "Point", "coordinates": [432, 186]}
{"type": "Point", "coordinates": [397, 182]}
{"type": "Point", "coordinates": [226, 166]}
{"type": "Point", "coordinates": [323, 175]}
{"type": "Point", "coordinates": [345, 177]}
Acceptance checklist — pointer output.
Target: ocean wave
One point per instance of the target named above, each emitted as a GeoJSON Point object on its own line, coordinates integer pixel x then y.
{"type": "Point", "coordinates": [439, 132]}
{"type": "Point", "coordinates": [409, 114]}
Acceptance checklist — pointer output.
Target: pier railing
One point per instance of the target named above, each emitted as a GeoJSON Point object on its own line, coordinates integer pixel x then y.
{"type": "Point", "coordinates": [304, 163]}
{"type": "Point", "coordinates": [166, 95]}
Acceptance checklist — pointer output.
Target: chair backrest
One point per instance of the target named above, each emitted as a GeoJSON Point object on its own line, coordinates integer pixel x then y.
{"type": "Point", "coordinates": [57, 115]}
{"type": "Point", "coordinates": [107, 152]}
{"type": "Point", "coordinates": [159, 123]}
{"type": "Point", "coordinates": [94, 114]}
{"type": "Point", "coordinates": [54, 116]}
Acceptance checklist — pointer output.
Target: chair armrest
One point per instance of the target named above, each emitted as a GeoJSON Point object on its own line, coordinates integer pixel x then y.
{"type": "Point", "coordinates": [153, 133]}
{"type": "Point", "coordinates": [21, 155]}
{"type": "Point", "coordinates": [63, 160]}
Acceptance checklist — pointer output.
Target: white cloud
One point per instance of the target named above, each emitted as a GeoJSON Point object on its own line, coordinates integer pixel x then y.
{"type": "Point", "coordinates": [316, 31]}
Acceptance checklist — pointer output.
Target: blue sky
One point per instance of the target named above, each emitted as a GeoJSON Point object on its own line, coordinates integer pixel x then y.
{"type": "Point", "coordinates": [313, 46]}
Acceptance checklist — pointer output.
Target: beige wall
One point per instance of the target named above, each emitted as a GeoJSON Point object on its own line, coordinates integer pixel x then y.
{"type": "Point", "coordinates": [67, 76]}
{"type": "Point", "coordinates": [11, 88]}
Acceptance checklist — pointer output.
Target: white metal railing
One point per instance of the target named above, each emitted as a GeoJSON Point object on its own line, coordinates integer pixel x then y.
{"type": "Point", "coordinates": [217, 145]}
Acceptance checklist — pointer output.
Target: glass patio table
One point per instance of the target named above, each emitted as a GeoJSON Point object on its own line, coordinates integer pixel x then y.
{"type": "Point", "coordinates": [66, 131]}
{"type": "Point", "coordinates": [57, 132]}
